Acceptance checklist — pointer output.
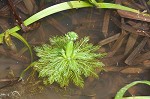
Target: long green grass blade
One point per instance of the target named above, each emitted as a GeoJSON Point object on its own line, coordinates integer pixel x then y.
{"type": "Point", "coordinates": [116, 6]}
{"type": "Point", "coordinates": [24, 41]}
{"type": "Point", "coordinates": [56, 8]}
{"type": "Point", "coordinates": [122, 91]}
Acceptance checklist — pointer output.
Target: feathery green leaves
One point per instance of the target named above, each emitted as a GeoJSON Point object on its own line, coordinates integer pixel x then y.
{"type": "Point", "coordinates": [54, 65]}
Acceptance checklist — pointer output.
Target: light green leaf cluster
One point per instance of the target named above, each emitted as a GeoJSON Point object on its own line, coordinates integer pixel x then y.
{"type": "Point", "coordinates": [55, 66]}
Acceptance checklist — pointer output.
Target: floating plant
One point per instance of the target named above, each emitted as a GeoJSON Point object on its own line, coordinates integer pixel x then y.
{"type": "Point", "coordinates": [67, 60]}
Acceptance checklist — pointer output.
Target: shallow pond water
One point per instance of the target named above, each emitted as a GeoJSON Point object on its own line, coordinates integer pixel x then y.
{"type": "Point", "coordinates": [86, 22]}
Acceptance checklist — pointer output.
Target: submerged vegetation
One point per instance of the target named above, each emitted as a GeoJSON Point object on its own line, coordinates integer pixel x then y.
{"type": "Point", "coordinates": [66, 60]}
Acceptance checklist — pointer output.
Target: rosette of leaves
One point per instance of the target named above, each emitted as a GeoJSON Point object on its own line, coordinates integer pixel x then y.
{"type": "Point", "coordinates": [67, 60]}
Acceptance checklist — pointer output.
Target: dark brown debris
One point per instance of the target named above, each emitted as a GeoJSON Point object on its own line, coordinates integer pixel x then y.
{"type": "Point", "coordinates": [109, 39]}
{"type": "Point", "coordinates": [136, 51]}
{"type": "Point", "coordinates": [131, 47]}
{"type": "Point", "coordinates": [106, 23]}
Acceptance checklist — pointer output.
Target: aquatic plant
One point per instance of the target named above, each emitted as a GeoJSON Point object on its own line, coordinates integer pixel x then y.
{"type": "Point", "coordinates": [67, 60]}
{"type": "Point", "coordinates": [122, 91]}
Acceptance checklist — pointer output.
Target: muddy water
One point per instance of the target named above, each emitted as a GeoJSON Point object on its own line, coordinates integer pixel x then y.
{"type": "Point", "coordinates": [86, 22]}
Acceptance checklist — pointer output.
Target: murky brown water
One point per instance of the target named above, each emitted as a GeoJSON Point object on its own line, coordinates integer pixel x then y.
{"type": "Point", "coordinates": [86, 22]}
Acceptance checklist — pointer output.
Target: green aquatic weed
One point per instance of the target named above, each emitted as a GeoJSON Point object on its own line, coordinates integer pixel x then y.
{"type": "Point", "coordinates": [67, 60]}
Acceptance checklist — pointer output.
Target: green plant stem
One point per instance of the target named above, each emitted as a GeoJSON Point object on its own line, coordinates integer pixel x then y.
{"type": "Point", "coordinates": [69, 49]}
{"type": "Point", "coordinates": [115, 6]}
{"type": "Point", "coordinates": [22, 74]}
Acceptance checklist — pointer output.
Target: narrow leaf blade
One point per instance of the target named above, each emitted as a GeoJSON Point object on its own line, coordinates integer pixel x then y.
{"type": "Point", "coordinates": [24, 41]}
{"type": "Point", "coordinates": [122, 91]}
